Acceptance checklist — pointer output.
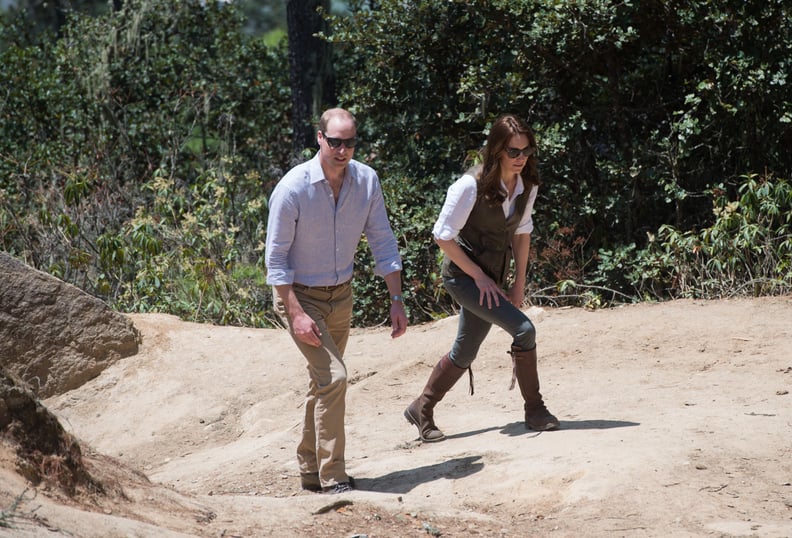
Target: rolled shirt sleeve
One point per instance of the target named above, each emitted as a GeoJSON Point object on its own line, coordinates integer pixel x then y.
{"type": "Point", "coordinates": [459, 202]}
{"type": "Point", "coordinates": [526, 225]}
{"type": "Point", "coordinates": [380, 236]}
{"type": "Point", "coordinates": [281, 227]}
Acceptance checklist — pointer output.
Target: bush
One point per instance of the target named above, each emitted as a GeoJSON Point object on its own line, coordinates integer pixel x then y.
{"type": "Point", "coordinates": [137, 149]}
{"type": "Point", "coordinates": [746, 251]}
{"type": "Point", "coordinates": [137, 156]}
{"type": "Point", "coordinates": [636, 121]}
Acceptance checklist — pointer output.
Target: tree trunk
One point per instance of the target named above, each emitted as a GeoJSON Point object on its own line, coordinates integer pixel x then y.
{"type": "Point", "coordinates": [310, 68]}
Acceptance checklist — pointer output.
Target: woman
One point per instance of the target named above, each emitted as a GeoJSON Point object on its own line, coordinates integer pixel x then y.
{"type": "Point", "coordinates": [486, 218]}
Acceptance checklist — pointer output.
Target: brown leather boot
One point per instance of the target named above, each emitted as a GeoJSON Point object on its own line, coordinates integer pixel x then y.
{"type": "Point", "coordinates": [420, 413]}
{"type": "Point", "coordinates": [537, 417]}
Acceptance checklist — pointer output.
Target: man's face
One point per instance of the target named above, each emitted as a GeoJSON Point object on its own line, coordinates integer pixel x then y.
{"type": "Point", "coordinates": [340, 132]}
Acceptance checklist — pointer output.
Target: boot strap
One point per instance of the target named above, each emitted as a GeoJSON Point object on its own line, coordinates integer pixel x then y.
{"type": "Point", "coordinates": [514, 369]}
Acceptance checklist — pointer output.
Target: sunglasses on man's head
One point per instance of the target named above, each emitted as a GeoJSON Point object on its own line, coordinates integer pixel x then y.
{"type": "Point", "coordinates": [336, 142]}
{"type": "Point", "coordinates": [513, 153]}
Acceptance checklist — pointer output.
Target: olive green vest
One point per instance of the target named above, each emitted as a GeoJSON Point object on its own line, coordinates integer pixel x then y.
{"type": "Point", "coordinates": [486, 238]}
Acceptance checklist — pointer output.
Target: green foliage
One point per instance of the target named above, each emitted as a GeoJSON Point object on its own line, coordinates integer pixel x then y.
{"type": "Point", "coordinates": [636, 120]}
{"type": "Point", "coordinates": [137, 153]}
{"type": "Point", "coordinates": [747, 250]}
{"type": "Point", "coordinates": [190, 258]}
{"type": "Point", "coordinates": [138, 148]}
{"type": "Point", "coordinates": [412, 208]}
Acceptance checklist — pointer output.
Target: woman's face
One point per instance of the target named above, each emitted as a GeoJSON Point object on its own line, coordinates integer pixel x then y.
{"type": "Point", "coordinates": [515, 155]}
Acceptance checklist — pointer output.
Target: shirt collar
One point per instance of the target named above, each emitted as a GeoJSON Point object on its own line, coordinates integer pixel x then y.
{"type": "Point", "coordinates": [315, 169]}
{"type": "Point", "coordinates": [519, 188]}
{"type": "Point", "coordinates": [317, 174]}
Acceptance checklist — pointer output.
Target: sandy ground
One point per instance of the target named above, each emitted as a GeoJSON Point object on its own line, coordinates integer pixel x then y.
{"type": "Point", "coordinates": [676, 421]}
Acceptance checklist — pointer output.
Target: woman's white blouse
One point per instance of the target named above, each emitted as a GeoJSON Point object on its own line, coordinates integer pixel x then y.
{"type": "Point", "coordinates": [459, 203]}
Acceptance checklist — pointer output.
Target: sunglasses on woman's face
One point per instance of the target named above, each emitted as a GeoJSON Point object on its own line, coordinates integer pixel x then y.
{"type": "Point", "coordinates": [336, 142]}
{"type": "Point", "coordinates": [513, 153]}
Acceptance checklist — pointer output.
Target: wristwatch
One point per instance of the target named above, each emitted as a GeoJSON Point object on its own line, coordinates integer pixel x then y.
{"type": "Point", "coordinates": [395, 298]}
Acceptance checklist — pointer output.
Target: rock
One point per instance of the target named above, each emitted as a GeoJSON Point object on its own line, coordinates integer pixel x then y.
{"type": "Point", "coordinates": [54, 336]}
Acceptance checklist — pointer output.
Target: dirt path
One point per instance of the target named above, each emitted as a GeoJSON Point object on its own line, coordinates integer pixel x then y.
{"type": "Point", "coordinates": [676, 421]}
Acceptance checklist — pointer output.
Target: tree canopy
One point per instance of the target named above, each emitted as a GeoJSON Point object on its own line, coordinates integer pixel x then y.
{"type": "Point", "coordinates": [138, 146]}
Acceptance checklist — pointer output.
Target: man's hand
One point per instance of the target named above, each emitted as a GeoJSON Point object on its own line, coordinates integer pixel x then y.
{"type": "Point", "coordinates": [398, 319]}
{"type": "Point", "coordinates": [306, 330]}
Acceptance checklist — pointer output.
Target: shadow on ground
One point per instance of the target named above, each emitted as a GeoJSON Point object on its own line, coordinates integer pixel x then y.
{"type": "Point", "coordinates": [406, 480]}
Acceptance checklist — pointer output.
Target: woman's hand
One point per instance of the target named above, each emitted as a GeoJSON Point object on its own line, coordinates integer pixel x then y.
{"type": "Point", "coordinates": [516, 296]}
{"type": "Point", "coordinates": [489, 290]}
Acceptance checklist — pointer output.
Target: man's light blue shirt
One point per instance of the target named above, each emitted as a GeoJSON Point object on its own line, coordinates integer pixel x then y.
{"type": "Point", "coordinates": [312, 240]}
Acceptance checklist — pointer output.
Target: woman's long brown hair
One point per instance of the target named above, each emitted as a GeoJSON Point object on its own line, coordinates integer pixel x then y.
{"type": "Point", "coordinates": [503, 129]}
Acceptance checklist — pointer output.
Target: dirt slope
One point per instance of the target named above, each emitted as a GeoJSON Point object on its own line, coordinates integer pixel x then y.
{"type": "Point", "coordinates": [676, 421]}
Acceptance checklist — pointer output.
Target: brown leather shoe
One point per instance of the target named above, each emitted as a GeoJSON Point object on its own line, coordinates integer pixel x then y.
{"type": "Point", "coordinates": [537, 417]}
{"type": "Point", "coordinates": [310, 482]}
{"type": "Point", "coordinates": [420, 413]}
{"type": "Point", "coordinates": [428, 432]}
{"type": "Point", "coordinates": [540, 419]}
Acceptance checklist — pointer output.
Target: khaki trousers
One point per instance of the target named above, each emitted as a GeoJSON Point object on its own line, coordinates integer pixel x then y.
{"type": "Point", "coordinates": [323, 438]}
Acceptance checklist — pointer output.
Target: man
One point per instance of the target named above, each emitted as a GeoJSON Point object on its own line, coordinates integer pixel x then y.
{"type": "Point", "coordinates": [317, 214]}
